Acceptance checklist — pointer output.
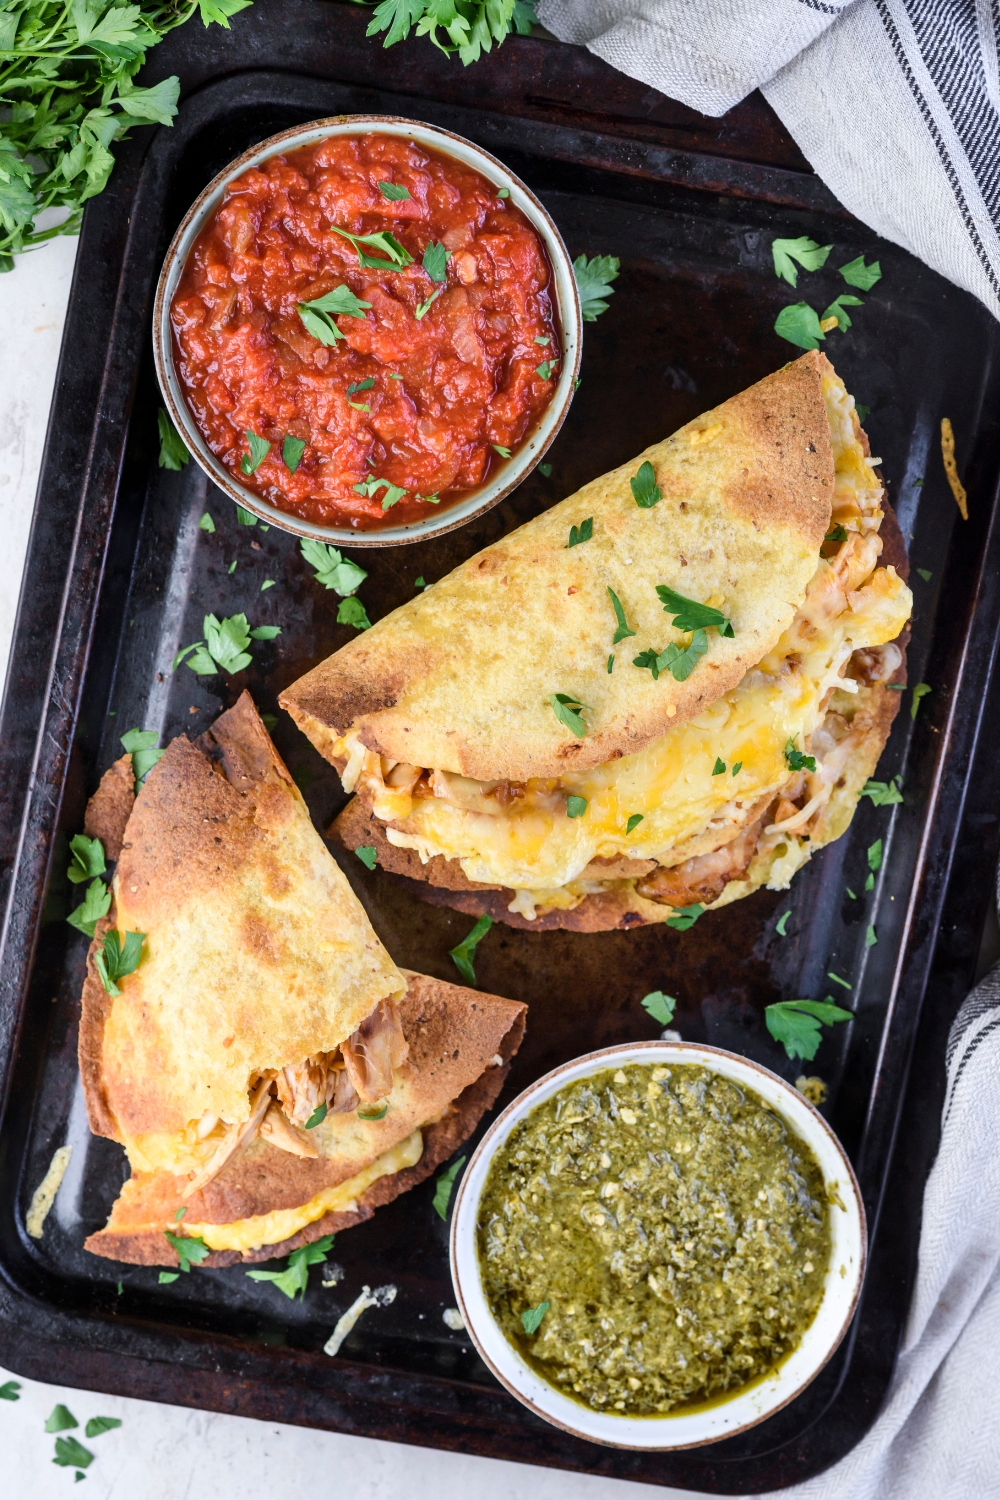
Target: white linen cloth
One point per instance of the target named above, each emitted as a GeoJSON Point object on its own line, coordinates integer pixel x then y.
{"type": "Point", "coordinates": [895, 103]}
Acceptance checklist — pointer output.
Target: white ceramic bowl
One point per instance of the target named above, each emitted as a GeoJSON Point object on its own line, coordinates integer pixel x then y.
{"type": "Point", "coordinates": [566, 302]}
{"type": "Point", "coordinates": [685, 1429]}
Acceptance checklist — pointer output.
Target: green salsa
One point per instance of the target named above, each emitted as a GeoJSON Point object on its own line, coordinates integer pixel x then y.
{"type": "Point", "coordinates": [674, 1224]}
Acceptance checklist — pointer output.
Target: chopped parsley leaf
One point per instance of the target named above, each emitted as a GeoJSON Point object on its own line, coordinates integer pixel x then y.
{"type": "Point", "coordinates": [435, 262]}
{"type": "Point", "coordinates": [883, 793]}
{"type": "Point", "coordinates": [294, 1279]}
{"type": "Point", "coordinates": [869, 882]}
{"type": "Point", "coordinates": [576, 807]}
{"type": "Point", "coordinates": [190, 1252]}
{"type": "Point", "coordinates": [141, 745]}
{"type": "Point", "coordinates": [96, 903]}
{"type": "Point", "coordinates": [685, 917]}
{"type": "Point", "coordinates": [645, 490]}
{"type": "Point", "coordinates": [292, 450]}
{"type": "Point", "coordinates": [71, 1454]}
{"type": "Point", "coordinates": [97, 1425]}
{"type": "Point", "coordinates": [267, 584]}
{"type": "Point", "coordinates": [367, 855]}
{"type": "Point", "coordinates": [633, 822]}
{"type": "Point", "coordinates": [545, 369]}
{"type": "Point", "coordinates": [660, 1006]}
{"type": "Point", "coordinates": [719, 769]}
{"type": "Point", "coordinates": [688, 615]}
{"type": "Point", "coordinates": [318, 316]}
{"type": "Point", "coordinates": [245, 517]}
{"type": "Point", "coordinates": [797, 760]}
{"type": "Point", "coordinates": [443, 1188]}
{"type": "Point", "coordinates": [173, 450]}
{"type": "Point", "coordinates": [423, 308]}
{"type": "Point", "coordinates": [373, 1112]}
{"type": "Point", "coordinates": [809, 255]}
{"type": "Point", "coordinates": [853, 897]}
{"type": "Point", "coordinates": [225, 645]}
{"type": "Point", "coordinates": [796, 1024]}
{"type": "Point", "coordinates": [532, 1318]}
{"type": "Point", "coordinates": [870, 937]}
{"type": "Point", "coordinates": [925, 574]}
{"type": "Point", "coordinates": [503, 192]}
{"type": "Point", "coordinates": [352, 612]}
{"type": "Point", "coordinates": [394, 191]}
{"type": "Point", "coordinates": [593, 281]}
{"type": "Point", "coordinates": [206, 523]}
{"type": "Point", "coordinates": [581, 533]}
{"type": "Point", "coordinates": [836, 534]}
{"type": "Point", "coordinates": [623, 631]}
{"type": "Point", "coordinates": [420, 583]}
{"type": "Point", "coordinates": [317, 1117]}
{"type": "Point", "coordinates": [921, 689]}
{"type": "Point", "coordinates": [611, 664]}
{"type": "Point", "coordinates": [545, 469]}
{"type": "Point", "coordinates": [856, 273]}
{"type": "Point", "coordinates": [60, 1419]}
{"type": "Point", "coordinates": [333, 570]}
{"type": "Point", "coordinates": [836, 310]}
{"type": "Point", "coordinates": [398, 256]}
{"type": "Point", "coordinates": [680, 664]}
{"type": "Point", "coordinates": [116, 959]}
{"type": "Point", "coordinates": [371, 487]}
{"type": "Point", "coordinates": [9, 1390]}
{"type": "Point", "coordinates": [875, 855]}
{"type": "Point", "coordinates": [165, 1277]}
{"type": "Point", "coordinates": [799, 324]}
{"type": "Point", "coordinates": [781, 925]}
{"type": "Point", "coordinates": [86, 859]}
{"type": "Point", "coordinates": [737, 768]}
{"type": "Point", "coordinates": [541, 338]}
{"type": "Point", "coordinates": [464, 952]}
{"type": "Point", "coordinates": [499, 448]}
{"type": "Point", "coordinates": [569, 712]}
{"type": "Point", "coordinates": [251, 462]}
{"type": "Point", "coordinates": [837, 979]}
{"type": "Point", "coordinates": [862, 412]}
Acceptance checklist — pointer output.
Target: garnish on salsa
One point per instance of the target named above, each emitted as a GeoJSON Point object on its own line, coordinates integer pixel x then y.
{"type": "Point", "coordinates": [312, 283]}
{"type": "Point", "coordinates": [668, 1226]}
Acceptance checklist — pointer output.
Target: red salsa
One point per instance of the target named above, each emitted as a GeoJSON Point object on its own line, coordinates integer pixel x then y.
{"type": "Point", "coordinates": [447, 350]}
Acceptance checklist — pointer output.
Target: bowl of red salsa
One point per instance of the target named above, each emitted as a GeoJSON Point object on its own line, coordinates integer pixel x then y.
{"type": "Point", "coordinates": [367, 330]}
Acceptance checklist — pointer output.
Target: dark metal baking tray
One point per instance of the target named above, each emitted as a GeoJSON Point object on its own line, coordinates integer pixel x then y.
{"type": "Point", "coordinates": [119, 575]}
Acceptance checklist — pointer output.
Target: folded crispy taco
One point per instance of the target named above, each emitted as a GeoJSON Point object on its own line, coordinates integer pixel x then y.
{"type": "Point", "coordinates": [663, 693]}
{"type": "Point", "coordinates": [268, 1068]}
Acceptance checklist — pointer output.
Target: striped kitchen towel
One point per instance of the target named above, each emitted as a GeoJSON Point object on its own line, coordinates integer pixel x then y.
{"type": "Point", "coordinates": [895, 103]}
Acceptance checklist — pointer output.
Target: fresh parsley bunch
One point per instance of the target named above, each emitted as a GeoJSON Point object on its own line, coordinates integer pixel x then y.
{"type": "Point", "coordinates": [470, 26]}
{"type": "Point", "coordinates": [66, 95]}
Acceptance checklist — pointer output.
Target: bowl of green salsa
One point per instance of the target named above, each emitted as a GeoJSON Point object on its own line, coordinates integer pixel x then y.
{"type": "Point", "coordinates": [658, 1245]}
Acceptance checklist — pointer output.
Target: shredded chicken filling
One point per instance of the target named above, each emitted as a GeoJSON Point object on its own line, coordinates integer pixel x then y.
{"type": "Point", "coordinates": [283, 1100]}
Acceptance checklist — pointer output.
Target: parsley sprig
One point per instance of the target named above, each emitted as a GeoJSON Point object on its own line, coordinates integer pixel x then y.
{"type": "Point", "coordinates": [96, 904]}
{"type": "Point", "coordinates": [86, 859]}
{"type": "Point", "coordinates": [294, 1279]}
{"type": "Point", "coordinates": [660, 1006]}
{"type": "Point", "coordinates": [66, 79]}
{"type": "Point", "coordinates": [173, 451]}
{"type": "Point", "coordinates": [191, 1251]}
{"type": "Point", "coordinates": [470, 26]}
{"type": "Point", "coordinates": [796, 760]}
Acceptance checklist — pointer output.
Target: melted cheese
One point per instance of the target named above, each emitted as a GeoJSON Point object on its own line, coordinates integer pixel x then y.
{"type": "Point", "coordinates": [282, 1223]}
{"type": "Point", "coordinates": [686, 808]}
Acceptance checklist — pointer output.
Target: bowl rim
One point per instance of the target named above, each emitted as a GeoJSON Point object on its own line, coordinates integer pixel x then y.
{"type": "Point", "coordinates": [563, 291]}
{"type": "Point", "coordinates": [463, 1224]}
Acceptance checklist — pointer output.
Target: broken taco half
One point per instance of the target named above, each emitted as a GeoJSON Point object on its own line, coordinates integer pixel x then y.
{"type": "Point", "coordinates": [271, 1073]}
{"type": "Point", "coordinates": [661, 694]}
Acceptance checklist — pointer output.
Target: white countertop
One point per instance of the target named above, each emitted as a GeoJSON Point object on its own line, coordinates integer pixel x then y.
{"type": "Point", "coordinates": [170, 1452]}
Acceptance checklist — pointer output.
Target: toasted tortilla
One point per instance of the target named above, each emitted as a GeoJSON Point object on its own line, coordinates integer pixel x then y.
{"type": "Point", "coordinates": [257, 953]}
{"type": "Point", "coordinates": [461, 1042]}
{"type": "Point", "coordinates": [460, 678]}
